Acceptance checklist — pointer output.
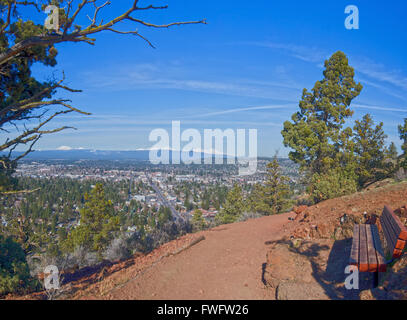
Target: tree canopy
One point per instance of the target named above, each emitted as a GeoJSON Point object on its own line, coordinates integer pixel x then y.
{"type": "Point", "coordinates": [336, 159]}
{"type": "Point", "coordinates": [316, 132]}
{"type": "Point", "coordinates": [14, 271]}
{"type": "Point", "coordinates": [98, 223]}
{"type": "Point", "coordinates": [369, 148]}
{"type": "Point", "coordinates": [233, 207]}
{"type": "Point", "coordinates": [272, 197]}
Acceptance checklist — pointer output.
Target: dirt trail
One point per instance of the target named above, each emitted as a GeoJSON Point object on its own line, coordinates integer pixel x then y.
{"type": "Point", "coordinates": [228, 264]}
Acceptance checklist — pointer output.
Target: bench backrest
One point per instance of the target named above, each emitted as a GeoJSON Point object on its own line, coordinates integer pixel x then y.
{"type": "Point", "coordinates": [394, 231]}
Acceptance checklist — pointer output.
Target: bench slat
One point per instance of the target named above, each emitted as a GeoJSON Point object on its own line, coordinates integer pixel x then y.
{"type": "Point", "coordinates": [354, 253]}
{"type": "Point", "coordinates": [391, 241]}
{"type": "Point", "coordinates": [387, 233]}
{"type": "Point", "coordinates": [397, 225]}
{"type": "Point", "coordinates": [363, 255]}
{"type": "Point", "coordinates": [381, 261]}
{"type": "Point", "coordinates": [372, 259]}
{"type": "Point", "coordinates": [398, 243]}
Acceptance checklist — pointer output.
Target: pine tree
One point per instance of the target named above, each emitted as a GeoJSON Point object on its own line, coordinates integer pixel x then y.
{"type": "Point", "coordinates": [391, 161]}
{"type": "Point", "coordinates": [271, 198]}
{"type": "Point", "coordinates": [316, 132]}
{"type": "Point", "coordinates": [391, 152]}
{"type": "Point", "coordinates": [198, 221]}
{"type": "Point", "coordinates": [7, 168]}
{"type": "Point", "coordinates": [370, 150]}
{"type": "Point", "coordinates": [403, 137]}
{"type": "Point", "coordinates": [234, 206]}
{"type": "Point", "coordinates": [98, 223]}
{"type": "Point", "coordinates": [14, 271]}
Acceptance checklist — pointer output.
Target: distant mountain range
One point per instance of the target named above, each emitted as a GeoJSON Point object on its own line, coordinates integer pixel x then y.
{"type": "Point", "coordinates": [87, 154]}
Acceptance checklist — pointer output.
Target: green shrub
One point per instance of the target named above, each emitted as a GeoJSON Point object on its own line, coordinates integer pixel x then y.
{"type": "Point", "coordinates": [332, 184]}
{"type": "Point", "coordinates": [14, 271]}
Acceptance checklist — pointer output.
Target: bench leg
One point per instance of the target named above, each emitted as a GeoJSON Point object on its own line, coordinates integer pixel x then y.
{"type": "Point", "coordinates": [375, 279]}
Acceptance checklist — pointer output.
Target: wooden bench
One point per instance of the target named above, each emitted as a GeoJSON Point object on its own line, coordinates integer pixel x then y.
{"type": "Point", "coordinates": [367, 253]}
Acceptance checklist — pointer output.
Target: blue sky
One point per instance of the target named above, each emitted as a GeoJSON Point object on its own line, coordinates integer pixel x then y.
{"type": "Point", "coordinates": [245, 69]}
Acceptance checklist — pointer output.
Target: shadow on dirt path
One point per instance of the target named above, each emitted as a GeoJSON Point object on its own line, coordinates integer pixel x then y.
{"type": "Point", "coordinates": [314, 264]}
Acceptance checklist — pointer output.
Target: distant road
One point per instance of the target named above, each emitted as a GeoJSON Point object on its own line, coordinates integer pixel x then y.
{"type": "Point", "coordinates": [165, 202]}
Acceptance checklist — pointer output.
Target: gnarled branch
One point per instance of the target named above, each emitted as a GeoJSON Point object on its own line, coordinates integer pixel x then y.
{"type": "Point", "coordinates": [82, 35]}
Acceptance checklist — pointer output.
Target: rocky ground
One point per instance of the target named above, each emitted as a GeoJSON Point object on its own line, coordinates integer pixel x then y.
{"type": "Point", "coordinates": [309, 263]}
{"type": "Point", "coordinates": [297, 255]}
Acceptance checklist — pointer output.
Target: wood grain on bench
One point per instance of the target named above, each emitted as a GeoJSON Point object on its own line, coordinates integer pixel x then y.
{"type": "Point", "coordinates": [367, 253]}
{"type": "Point", "coordinates": [363, 252]}
{"type": "Point", "coordinates": [371, 251]}
{"type": "Point", "coordinates": [354, 253]}
{"type": "Point", "coordinates": [381, 261]}
{"type": "Point", "coordinates": [398, 226]}
{"type": "Point", "coordinates": [394, 231]}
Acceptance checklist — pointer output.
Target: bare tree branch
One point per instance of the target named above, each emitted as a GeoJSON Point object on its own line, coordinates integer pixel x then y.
{"type": "Point", "coordinates": [5, 26]}
{"type": "Point", "coordinates": [82, 35]}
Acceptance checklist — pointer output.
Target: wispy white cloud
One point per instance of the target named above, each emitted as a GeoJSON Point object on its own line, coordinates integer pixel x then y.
{"type": "Point", "coordinates": [304, 53]}
{"type": "Point", "coordinates": [126, 125]}
{"type": "Point", "coordinates": [160, 77]}
{"type": "Point", "coordinates": [237, 110]}
{"type": "Point", "coordinates": [389, 91]}
{"type": "Point", "coordinates": [380, 108]}
{"type": "Point", "coordinates": [381, 73]}
{"type": "Point", "coordinates": [375, 71]}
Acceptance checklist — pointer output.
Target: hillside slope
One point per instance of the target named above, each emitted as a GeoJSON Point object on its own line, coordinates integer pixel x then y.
{"type": "Point", "coordinates": [266, 258]}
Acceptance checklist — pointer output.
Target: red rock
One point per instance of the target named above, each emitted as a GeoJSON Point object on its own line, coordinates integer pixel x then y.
{"type": "Point", "coordinates": [300, 209]}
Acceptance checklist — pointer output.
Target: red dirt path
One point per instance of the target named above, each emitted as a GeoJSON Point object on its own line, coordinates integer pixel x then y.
{"type": "Point", "coordinates": [228, 264]}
